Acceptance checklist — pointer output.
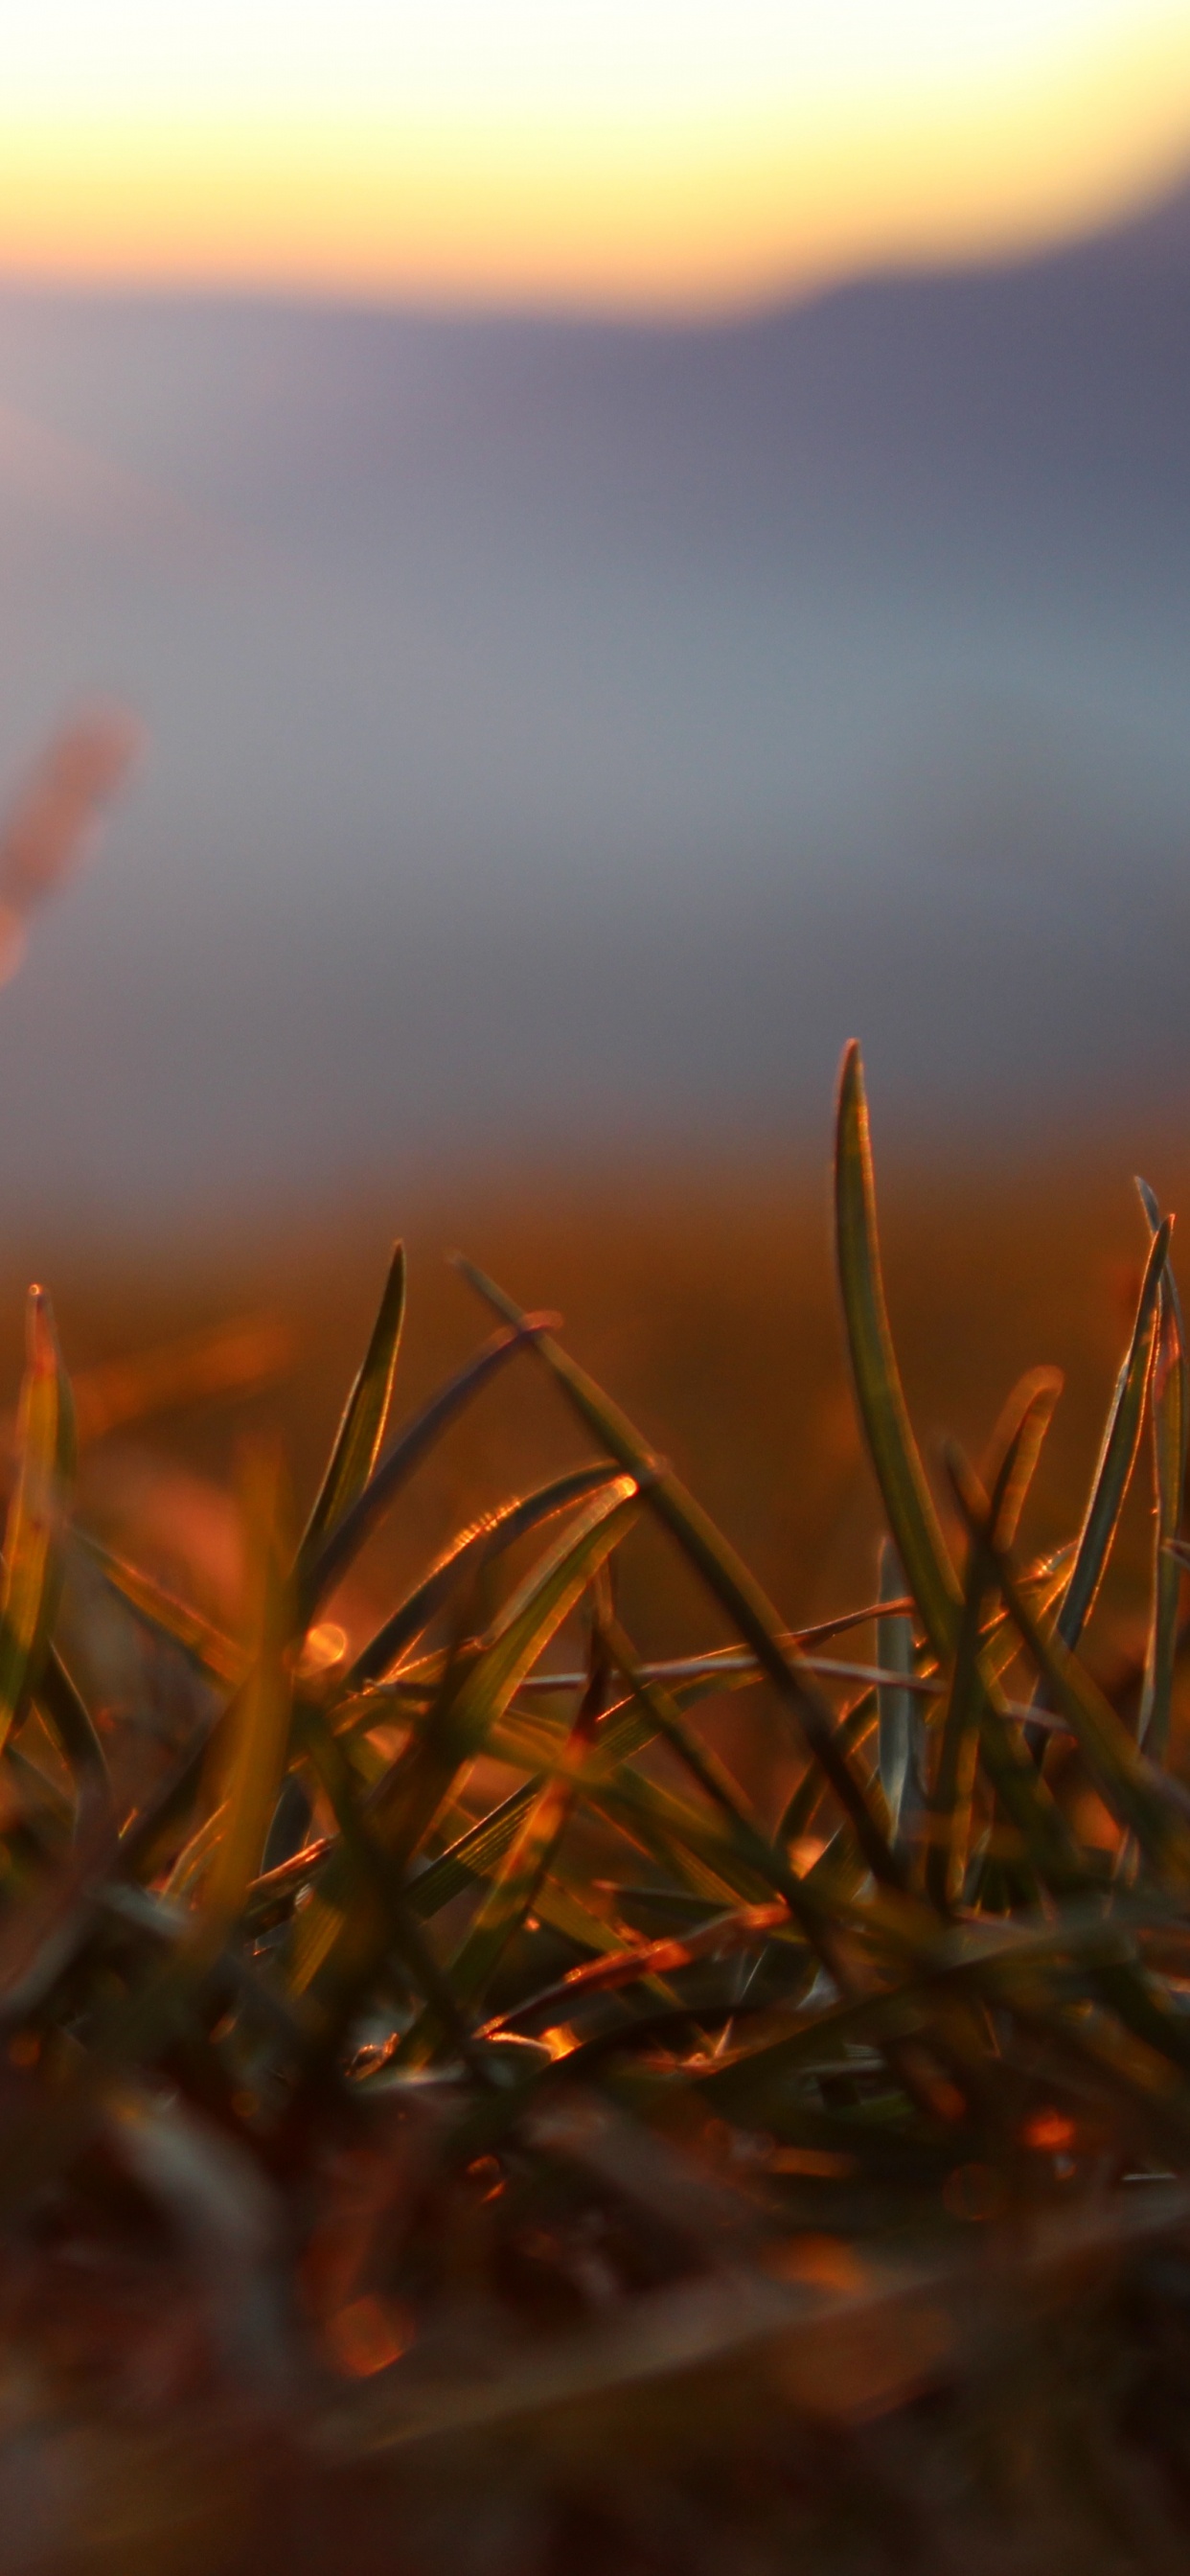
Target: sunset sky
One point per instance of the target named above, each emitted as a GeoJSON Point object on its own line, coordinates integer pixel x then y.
{"type": "Point", "coordinates": [655, 153]}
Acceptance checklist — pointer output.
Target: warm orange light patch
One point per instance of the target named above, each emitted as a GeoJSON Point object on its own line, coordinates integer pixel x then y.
{"type": "Point", "coordinates": [1050, 2132]}
{"type": "Point", "coordinates": [369, 2335]}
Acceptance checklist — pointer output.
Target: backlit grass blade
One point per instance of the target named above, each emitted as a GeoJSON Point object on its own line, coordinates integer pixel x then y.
{"type": "Point", "coordinates": [486, 1539]}
{"type": "Point", "coordinates": [1117, 1455]}
{"type": "Point", "coordinates": [1015, 1449]}
{"type": "Point", "coordinates": [1126, 1782]}
{"type": "Point", "coordinates": [361, 1431]}
{"type": "Point", "coordinates": [218, 1657]}
{"type": "Point", "coordinates": [330, 1560]}
{"type": "Point", "coordinates": [471, 1700]}
{"type": "Point", "coordinates": [63, 1706]}
{"type": "Point", "coordinates": [44, 1476]}
{"type": "Point", "coordinates": [898, 1719]}
{"type": "Point", "coordinates": [252, 1745]}
{"type": "Point", "coordinates": [723, 1573]}
{"type": "Point", "coordinates": [1169, 1400]}
{"type": "Point", "coordinates": [513, 1888]}
{"type": "Point", "coordinates": [912, 1518]}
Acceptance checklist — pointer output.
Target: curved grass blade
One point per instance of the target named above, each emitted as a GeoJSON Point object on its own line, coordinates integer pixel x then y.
{"type": "Point", "coordinates": [217, 1657]}
{"type": "Point", "coordinates": [1117, 1455]}
{"type": "Point", "coordinates": [513, 1888]}
{"type": "Point", "coordinates": [898, 1720]}
{"type": "Point", "coordinates": [1127, 1783]}
{"type": "Point", "coordinates": [486, 1539]}
{"type": "Point", "coordinates": [69, 1718]}
{"type": "Point", "coordinates": [475, 1691]}
{"type": "Point", "coordinates": [912, 1518]}
{"type": "Point", "coordinates": [361, 1431]}
{"type": "Point", "coordinates": [1016, 1449]}
{"type": "Point", "coordinates": [252, 1744]}
{"type": "Point", "coordinates": [724, 1575]}
{"type": "Point", "coordinates": [1169, 1399]}
{"type": "Point", "coordinates": [45, 1474]}
{"type": "Point", "coordinates": [331, 1559]}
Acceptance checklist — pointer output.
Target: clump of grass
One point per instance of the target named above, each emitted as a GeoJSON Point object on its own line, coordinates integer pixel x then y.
{"type": "Point", "coordinates": [443, 2116]}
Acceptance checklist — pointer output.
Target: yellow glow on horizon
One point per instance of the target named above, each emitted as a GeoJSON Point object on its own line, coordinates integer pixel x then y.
{"type": "Point", "coordinates": [652, 155]}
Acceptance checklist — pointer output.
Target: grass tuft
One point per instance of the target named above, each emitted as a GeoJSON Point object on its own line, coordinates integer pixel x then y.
{"type": "Point", "coordinates": [438, 2081]}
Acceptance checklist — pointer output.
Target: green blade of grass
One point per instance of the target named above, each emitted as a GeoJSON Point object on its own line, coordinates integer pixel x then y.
{"type": "Point", "coordinates": [45, 1473]}
{"type": "Point", "coordinates": [470, 1701]}
{"type": "Point", "coordinates": [724, 1575]}
{"type": "Point", "coordinates": [1117, 1455]}
{"type": "Point", "coordinates": [912, 1518]}
{"type": "Point", "coordinates": [513, 1887]}
{"type": "Point", "coordinates": [898, 1719]}
{"type": "Point", "coordinates": [329, 1562]}
{"type": "Point", "coordinates": [361, 1431]}
{"type": "Point", "coordinates": [252, 1746]}
{"type": "Point", "coordinates": [70, 1720]}
{"type": "Point", "coordinates": [217, 1657]}
{"type": "Point", "coordinates": [1015, 1451]}
{"type": "Point", "coordinates": [486, 1539]}
{"type": "Point", "coordinates": [1169, 1399]}
{"type": "Point", "coordinates": [1127, 1783]}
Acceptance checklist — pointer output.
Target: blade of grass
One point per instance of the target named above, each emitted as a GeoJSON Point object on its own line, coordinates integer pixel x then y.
{"type": "Point", "coordinates": [217, 1657]}
{"type": "Point", "coordinates": [475, 1691]}
{"type": "Point", "coordinates": [1117, 1455]}
{"type": "Point", "coordinates": [330, 1560]}
{"type": "Point", "coordinates": [898, 1721]}
{"type": "Point", "coordinates": [912, 1518]}
{"type": "Point", "coordinates": [45, 1473]}
{"type": "Point", "coordinates": [486, 1539]}
{"type": "Point", "coordinates": [251, 1752]}
{"type": "Point", "coordinates": [724, 1575]}
{"type": "Point", "coordinates": [1016, 1448]}
{"type": "Point", "coordinates": [361, 1431]}
{"type": "Point", "coordinates": [1169, 1401]}
{"type": "Point", "coordinates": [1127, 1783]}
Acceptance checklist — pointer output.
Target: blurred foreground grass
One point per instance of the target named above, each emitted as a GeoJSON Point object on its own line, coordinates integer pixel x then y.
{"type": "Point", "coordinates": [533, 2036]}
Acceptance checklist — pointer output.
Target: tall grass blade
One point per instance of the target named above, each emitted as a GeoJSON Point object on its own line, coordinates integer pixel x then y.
{"type": "Point", "coordinates": [361, 1431]}
{"type": "Point", "coordinates": [912, 1518]}
{"type": "Point", "coordinates": [251, 1748]}
{"type": "Point", "coordinates": [485, 1540]}
{"type": "Point", "coordinates": [330, 1560]}
{"type": "Point", "coordinates": [1117, 1455]}
{"type": "Point", "coordinates": [899, 1721]}
{"type": "Point", "coordinates": [724, 1575]}
{"type": "Point", "coordinates": [1015, 1450]}
{"type": "Point", "coordinates": [32, 1537]}
{"type": "Point", "coordinates": [1169, 1399]}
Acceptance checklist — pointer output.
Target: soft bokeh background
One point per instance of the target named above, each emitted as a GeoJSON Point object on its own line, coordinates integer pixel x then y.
{"type": "Point", "coordinates": [643, 543]}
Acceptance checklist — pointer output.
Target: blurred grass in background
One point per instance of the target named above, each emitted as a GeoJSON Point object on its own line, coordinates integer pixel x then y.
{"type": "Point", "coordinates": [705, 1300]}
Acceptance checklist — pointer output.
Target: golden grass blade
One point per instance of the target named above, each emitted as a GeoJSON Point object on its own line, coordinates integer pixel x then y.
{"type": "Point", "coordinates": [329, 1561]}
{"type": "Point", "coordinates": [361, 1431]}
{"type": "Point", "coordinates": [1016, 1446]}
{"type": "Point", "coordinates": [1169, 1401]}
{"type": "Point", "coordinates": [912, 1518]}
{"type": "Point", "coordinates": [218, 1657]}
{"type": "Point", "coordinates": [484, 1540]}
{"type": "Point", "coordinates": [898, 1721]}
{"type": "Point", "coordinates": [723, 1573]}
{"type": "Point", "coordinates": [1117, 1455]}
{"type": "Point", "coordinates": [45, 1474]}
{"type": "Point", "coordinates": [1127, 1783]}
{"type": "Point", "coordinates": [252, 1746]}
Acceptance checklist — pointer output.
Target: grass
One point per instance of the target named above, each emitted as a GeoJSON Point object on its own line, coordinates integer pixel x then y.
{"type": "Point", "coordinates": [466, 2098]}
